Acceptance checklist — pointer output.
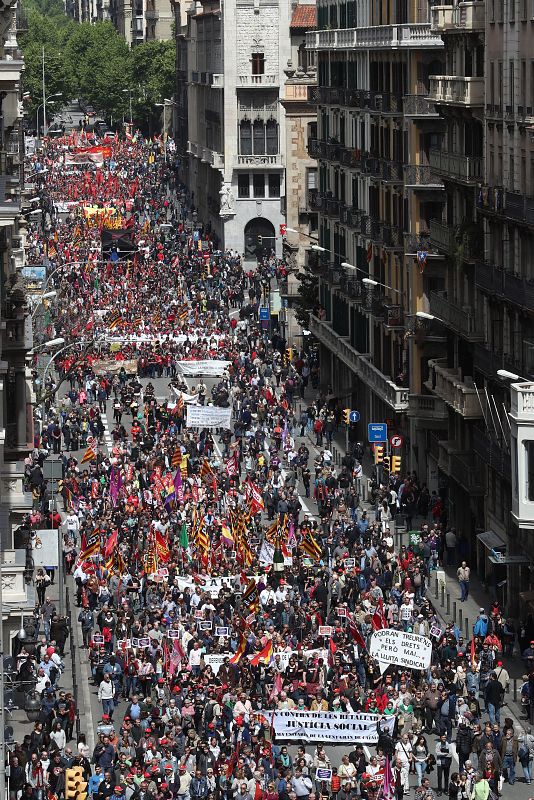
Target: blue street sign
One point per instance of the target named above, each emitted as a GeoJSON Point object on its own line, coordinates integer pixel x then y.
{"type": "Point", "coordinates": [265, 314]}
{"type": "Point", "coordinates": [377, 432]}
{"type": "Point", "coordinates": [354, 416]}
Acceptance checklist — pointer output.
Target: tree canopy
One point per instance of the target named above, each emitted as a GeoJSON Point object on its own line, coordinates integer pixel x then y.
{"type": "Point", "coordinates": [94, 62]}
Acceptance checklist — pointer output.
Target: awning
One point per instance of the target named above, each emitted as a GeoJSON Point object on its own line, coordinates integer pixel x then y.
{"type": "Point", "coordinates": [491, 540]}
{"type": "Point", "coordinates": [508, 560]}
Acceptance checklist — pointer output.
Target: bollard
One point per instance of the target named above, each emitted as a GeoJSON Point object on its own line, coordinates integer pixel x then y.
{"type": "Point", "coordinates": [449, 604]}
{"type": "Point", "coordinates": [515, 690]}
{"type": "Point", "coordinates": [460, 619]}
{"type": "Point", "coordinates": [466, 627]}
{"type": "Point", "coordinates": [453, 607]}
{"type": "Point", "coordinates": [436, 587]}
{"type": "Point", "coordinates": [442, 601]}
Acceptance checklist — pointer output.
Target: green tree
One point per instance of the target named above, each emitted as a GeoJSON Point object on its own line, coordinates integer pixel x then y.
{"type": "Point", "coordinates": [308, 297]}
{"type": "Point", "coordinates": [101, 62]}
{"type": "Point", "coordinates": [153, 80]}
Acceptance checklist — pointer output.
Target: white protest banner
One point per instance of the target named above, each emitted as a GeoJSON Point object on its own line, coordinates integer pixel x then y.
{"type": "Point", "coordinates": [215, 660]}
{"type": "Point", "coordinates": [208, 417]}
{"type": "Point", "coordinates": [266, 555]}
{"type": "Point", "coordinates": [330, 726]}
{"type": "Point", "coordinates": [212, 368]}
{"type": "Point", "coordinates": [403, 649]}
{"type": "Point", "coordinates": [187, 398]}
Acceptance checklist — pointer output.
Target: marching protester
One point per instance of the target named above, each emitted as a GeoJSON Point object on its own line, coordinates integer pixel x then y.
{"type": "Point", "coordinates": [234, 598]}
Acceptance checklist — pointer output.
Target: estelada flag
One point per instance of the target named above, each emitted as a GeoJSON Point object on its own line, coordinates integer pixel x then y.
{"type": "Point", "coordinates": [89, 455]}
{"type": "Point", "coordinates": [264, 656]}
{"type": "Point", "coordinates": [251, 597]}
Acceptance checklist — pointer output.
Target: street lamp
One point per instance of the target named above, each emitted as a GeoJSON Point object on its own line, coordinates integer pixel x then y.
{"type": "Point", "coordinates": [509, 376]}
{"type": "Point", "coordinates": [40, 298]}
{"type": "Point", "coordinates": [319, 249]}
{"type": "Point", "coordinates": [372, 283]}
{"type": "Point", "coordinates": [129, 92]}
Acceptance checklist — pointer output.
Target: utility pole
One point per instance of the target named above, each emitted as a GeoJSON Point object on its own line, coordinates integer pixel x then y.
{"type": "Point", "coordinates": [44, 96]}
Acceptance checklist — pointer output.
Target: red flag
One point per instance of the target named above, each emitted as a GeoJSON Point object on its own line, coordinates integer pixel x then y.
{"type": "Point", "coordinates": [242, 646]}
{"type": "Point", "coordinates": [473, 658]}
{"type": "Point", "coordinates": [111, 544]}
{"type": "Point", "coordinates": [378, 619]}
{"type": "Point", "coordinates": [264, 656]}
{"type": "Point", "coordinates": [356, 634]}
{"type": "Point", "coordinates": [277, 687]}
{"type": "Point", "coordinates": [333, 650]}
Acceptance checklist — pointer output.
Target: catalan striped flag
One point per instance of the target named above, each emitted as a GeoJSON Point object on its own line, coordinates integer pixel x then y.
{"type": "Point", "coordinates": [241, 649]}
{"type": "Point", "coordinates": [115, 321]}
{"type": "Point", "coordinates": [310, 546]}
{"type": "Point", "coordinates": [89, 455]}
{"type": "Point", "coordinates": [176, 459]}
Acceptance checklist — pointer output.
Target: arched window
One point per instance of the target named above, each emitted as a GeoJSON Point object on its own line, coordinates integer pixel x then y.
{"type": "Point", "coordinates": [271, 131]}
{"type": "Point", "coordinates": [259, 137]}
{"type": "Point", "coordinates": [245, 138]}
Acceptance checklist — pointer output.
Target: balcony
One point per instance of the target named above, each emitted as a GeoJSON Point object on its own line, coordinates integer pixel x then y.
{"type": "Point", "coordinates": [467, 169]}
{"type": "Point", "coordinates": [211, 157]}
{"type": "Point", "coordinates": [465, 471]}
{"type": "Point", "coordinates": [375, 38]}
{"type": "Point", "coordinates": [263, 161]}
{"type": "Point", "coordinates": [487, 360]}
{"type": "Point", "coordinates": [441, 18]}
{"type": "Point", "coordinates": [354, 218]}
{"type": "Point", "coordinates": [419, 106]}
{"type": "Point", "coordinates": [351, 288]}
{"type": "Point", "coordinates": [514, 205]}
{"type": "Point", "coordinates": [494, 455]}
{"type": "Point", "coordinates": [461, 319]}
{"type": "Point", "coordinates": [420, 176]}
{"type": "Point", "coordinates": [469, 16]}
{"type": "Point", "coordinates": [395, 396]}
{"type": "Point", "coordinates": [315, 200]}
{"type": "Point", "coordinates": [217, 80]}
{"type": "Point", "coordinates": [316, 148]}
{"type": "Point", "coordinates": [505, 284]}
{"type": "Point", "coordinates": [257, 81]}
{"type": "Point", "coordinates": [428, 407]}
{"type": "Point", "coordinates": [456, 90]}
{"type": "Point", "coordinates": [459, 395]}
{"type": "Point", "coordinates": [17, 335]}
{"type": "Point", "coordinates": [442, 236]}
{"type": "Point", "coordinates": [416, 242]}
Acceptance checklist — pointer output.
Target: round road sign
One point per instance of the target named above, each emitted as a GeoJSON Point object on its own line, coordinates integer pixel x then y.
{"type": "Point", "coordinates": [397, 441]}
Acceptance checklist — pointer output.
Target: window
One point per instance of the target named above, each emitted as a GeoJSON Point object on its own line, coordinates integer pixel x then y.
{"type": "Point", "coordinates": [311, 178]}
{"type": "Point", "coordinates": [259, 137]}
{"type": "Point", "coordinates": [245, 138]}
{"type": "Point", "coordinates": [271, 133]}
{"type": "Point", "coordinates": [511, 10]}
{"type": "Point", "coordinates": [258, 63]}
{"type": "Point", "coordinates": [274, 185]}
{"type": "Point", "coordinates": [258, 182]}
{"type": "Point", "coordinates": [243, 184]}
{"type": "Point", "coordinates": [303, 57]}
{"type": "Point", "coordinates": [511, 79]}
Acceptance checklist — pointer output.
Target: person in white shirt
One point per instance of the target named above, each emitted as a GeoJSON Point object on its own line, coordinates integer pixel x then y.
{"type": "Point", "coordinates": [266, 595]}
{"type": "Point", "coordinates": [403, 753]}
{"type": "Point", "coordinates": [73, 527]}
{"type": "Point", "coordinates": [195, 654]}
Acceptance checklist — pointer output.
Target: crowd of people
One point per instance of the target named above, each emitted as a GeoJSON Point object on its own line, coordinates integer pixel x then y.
{"type": "Point", "coordinates": [224, 575]}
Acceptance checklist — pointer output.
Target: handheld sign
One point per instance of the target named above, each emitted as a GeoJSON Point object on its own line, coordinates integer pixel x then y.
{"type": "Point", "coordinates": [325, 630]}
{"type": "Point", "coordinates": [222, 631]}
{"type": "Point", "coordinates": [403, 649]}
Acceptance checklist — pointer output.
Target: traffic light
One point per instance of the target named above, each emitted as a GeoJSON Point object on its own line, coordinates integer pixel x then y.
{"type": "Point", "coordinates": [346, 416]}
{"type": "Point", "coordinates": [395, 465]}
{"type": "Point", "coordinates": [75, 785]}
{"type": "Point", "coordinates": [283, 229]}
{"type": "Point", "coordinates": [260, 240]}
{"type": "Point", "coordinates": [379, 453]}
{"type": "Point", "coordinates": [385, 463]}
{"type": "Point", "coordinates": [289, 355]}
